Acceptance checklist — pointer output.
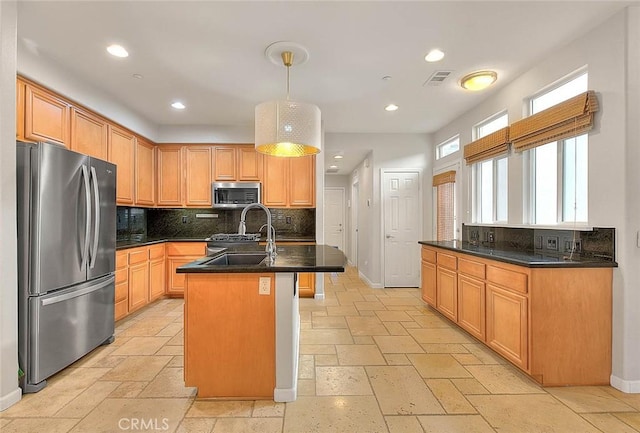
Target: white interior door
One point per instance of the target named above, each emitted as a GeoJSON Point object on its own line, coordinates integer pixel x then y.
{"type": "Point", "coordinates": [402, 229]}
{"type": "Point", "coordinates": [354, 224]}
{"type": "Point", "coordinates": [334, 217]}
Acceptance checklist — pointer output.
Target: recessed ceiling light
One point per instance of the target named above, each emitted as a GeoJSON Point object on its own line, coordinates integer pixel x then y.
{"type": "Point", "coordinates": [178, 105]}
{"type": "Point", "coordinates": [333, 166]}
{"type": "Point", "coordinates": [434, 55]}
{"type": "Point", "coordinates": [137, 76]}
{"type": "Point", "coordinates": [338, 157]}
{"type": "Point", "coordinates": [391, 107]}
{"type": "Point", "coordinates": [478, 80]}
{"type": "Point", "coordinates": [387, 78]}
{"type": "Point", "coordinates": [117, 50]}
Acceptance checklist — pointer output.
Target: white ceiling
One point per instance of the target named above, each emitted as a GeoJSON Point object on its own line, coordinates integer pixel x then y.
{"type": "Point", "coordinates": [210, 54]}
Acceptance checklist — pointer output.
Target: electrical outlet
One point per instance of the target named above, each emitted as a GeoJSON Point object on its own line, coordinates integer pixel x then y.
{"type": "Point", "coordinates": [288, 220]}
{"type": "Point", "coordinates": [538, 242]}
{"type": "Point", "coordinates": [184, 219]}
{"type": "Point", "coordinates": [265, 286]}
{"type": "Point", "coordinates": [552, 243]}
{"type": "Point", "coordinates": [491, 238]}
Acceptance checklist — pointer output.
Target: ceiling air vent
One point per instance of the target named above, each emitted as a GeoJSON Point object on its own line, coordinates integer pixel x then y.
{"type": "Point", "coordinates": [332, 170]}
{"type": "Point", "coordinates": [437, 78]}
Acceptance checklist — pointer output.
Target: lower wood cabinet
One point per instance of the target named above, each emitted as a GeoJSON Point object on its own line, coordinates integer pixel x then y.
{"type": "Point", "coordinates": [178, 254]}
{"type": "Point", "coordinates": [122, 284]}
{"type": "Point", "coordinates": [447, 293]}
{"type": "Point", "coordinates": [471, 305]}
{"type": "Point", "coordinates": [157, 272]}
{"type": "Point", "coordinates": [507, 326]}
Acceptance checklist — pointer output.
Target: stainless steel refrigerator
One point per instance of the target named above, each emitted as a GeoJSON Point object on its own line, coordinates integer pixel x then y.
{"type": "Point", "coordinates": [66, 258]}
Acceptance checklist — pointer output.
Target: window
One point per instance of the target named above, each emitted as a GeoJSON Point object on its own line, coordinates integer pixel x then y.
{"type": "Point", "coordinates": [448, 147]}
{"type": "Point", "coordinates": [444, 184]}
{"type": "Point", "coordinates": [558, 184]}
{"type": "Point", "coordinates": [490, 178]}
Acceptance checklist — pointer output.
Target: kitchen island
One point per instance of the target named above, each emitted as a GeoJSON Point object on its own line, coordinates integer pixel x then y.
{"type": "Point", "coordinates": [242, 323]}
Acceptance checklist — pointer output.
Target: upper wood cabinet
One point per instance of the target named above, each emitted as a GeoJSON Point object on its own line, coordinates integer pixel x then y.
{"type": "Point", "coordinates": [145, 173]}
{"type": "Point", "coordinates": [184, 175]}
{"type": "Point", "coordinates": [88, 134]}
{"type": "Point", "coordinates": [20, 89]}
{"type": "Point", "coordinates": [289, 182]}
{"type": "Point", "coordinates": [237, 163]}
{"type": "Point", "coordinates": [46, 116]}
{"type": "Point", "coordinates": [122, 147]}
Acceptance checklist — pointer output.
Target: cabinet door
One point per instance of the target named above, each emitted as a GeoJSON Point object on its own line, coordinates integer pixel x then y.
{"type": "Point", "coordinates": [429, 283]}
{"type": "Point", "coordinates": [302, 181]}
{"type": "Point", "coordinates": [447, 293]}
{"type": "Point", "coordinates": [138, 286]}
{"type": "Point", "coordinates": [122, 147]}
{"type": "Point", "coordinates": [170, 175]}
{"type": "Point", "coordinates": [249, 164]}
{"type": "Point", "coordinates": [20, 90]}
{"type": "Point", "coordinates": [46, 117]}
{"type": "Point", "coordinates": [306, 284]}
{"type": "Point", "coordinates": [471, 305]}
{"type": "Point", "coordinates": [175, 281]}
{"type": "Point", "coordinates": [198, 173]}
{"type": "Point", "coordinates": [122, 285]}
{"type": "Point", "coordinates": [275, 181]}
{"type": "Point", "coordinates": [145, 173]}
{"type": "Point", "coordinates": [156, 279]}
{"type": "Point", "coordinates": [507, 326]}
{"type": "Point", "coordinates": [88, 134]}
{"type": "Point", "coordinates": [225, 163]}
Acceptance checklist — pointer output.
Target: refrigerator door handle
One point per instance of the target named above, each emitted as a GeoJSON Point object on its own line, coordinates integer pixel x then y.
{"type": "Point", "coordinates": [76, 293]}
{"type": "Point", "coordinates": [96, 228]}
{"type": "Point", "coordinates": [87, 231]}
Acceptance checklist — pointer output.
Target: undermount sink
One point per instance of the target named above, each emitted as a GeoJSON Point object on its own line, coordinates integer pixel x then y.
{"type": "Point", "coordinates": [238, 259]}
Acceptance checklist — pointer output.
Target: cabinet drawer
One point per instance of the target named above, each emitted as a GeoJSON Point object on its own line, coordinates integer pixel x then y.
{"type": "Point", "coordinates": [121, 275]}
{"type": "Point", "coordinates": [447, 261]}
{"type": "Point", "coordinates": [507, 278]}
{"type": "Point", "coordinates": [428, 255]}
{"type": "Point", "coordinates": [156, 252]}
{"type": "Point", "coordinates": [474, 269]}
{"type": "Point", "coordinates": [121, 259]}
{"type": "Point", "coordinates": [186, 249]}
{"type": "Point", "coordinates": [138, 255]}
{"type": "Point", "coordinates": [121, 292]}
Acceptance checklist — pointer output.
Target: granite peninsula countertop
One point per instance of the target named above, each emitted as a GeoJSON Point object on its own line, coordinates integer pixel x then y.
{"type": "Point", "coordinates": [141, 242]}
{"type": "Point", "coordinates": [290, 258]}
{"type": "Point", "coordinates": [525, 258]}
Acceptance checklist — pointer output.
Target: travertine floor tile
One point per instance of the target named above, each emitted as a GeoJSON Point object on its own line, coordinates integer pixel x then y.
{"type": "Point", "coordinates": [168, 383]}
{"type": "Point", "coordinates": [449, 397]}
{"type": "Point", "coordinates": [397, 344]}
{"type": "Point", "coordinates": [431, 365]}
{"type": "Point", "coordinates": [469, 386]}
{"type": "Point", "coordinates": [137, 368]}
{"type": "Point", "coordinates": [403, 424]}
{"type": "Point", "coordinates": [141, 346]}
{"type": "Point", "coordinates": [397, 359]}
{"type": "Point", "coordinates": [393, 316]}
{"type": "Point", "coordinates": [220, 408]}
{"type": "Point", "coordinates": [177, 340]}
{"type": "Point", "coordinates": [346, 298]}
{"type": "Point", "coordinates": [317, 349]}
{"type": "Point", "coordinates": [366, 326]}
{"type": "Point", "coordinates": [632, 400]}
{"type": "Point", "coordinates": [456, 423]}
{"type": "Point", "coordinates": [401, 391]}
{"type": "Point", "coordinates": [608, 423]}
{"type": "Point", "coordinates": [337, 322]}
{"type": "Point", "coordinates": [583, 399]}
{"type": "Point", "coordinates": [369, 305]}
{"type": "Point", "coordinates": [171, 350]}
{"type": "Point", "coordinates": [484, 354]}
{"type": "Point", "coordinates": [399, 301]}
{"type": "Point", "coordinates": [170, 330]}
{"type": "Point", "coordinates": [40, 425]}
{"type": "Point", "coordinates": [306, 387]}
{"type": "Point", "coordinates": [196, 425]}
{"type": "Point", "coordinates": [444, 348]}
{"type": "Point", "coordinates": [529, 414]}
{"type": "Point", "coordinates": [395, 328]}
{"type": "Point", "coordinates": [502, 379]}
{"type": "Point", "coordinates": [306, 367]}
{"type": "Point", "coordinates": [267, 408]}
{"type": "Point", "coordinates": [322, 360]}
{"type": "Point", "coordinates": [363, 339]}
{"type": "Point", "coordinates": [248, 425]}
{"type": "Point", "coordinates": [342, 311]}
{"type": "Point", "coordinates": [115, 415]}
{"type": "Point", "coordinates": [352, 414]}
{"type": "Point", "coordinates": [342, 381]}
{"type": "Point", "coordinates": [466, 358]}
{"type": "Point", "coordinates": [359, 354]}
{"type": "Point", "coordinates": [87, 400]}
{"type": "Point", "coordinates": [632, 419]}
{"type": "Point", "coordinates": [128, 390]}
{"type": "Point", "coordinates": [326, 336]}
{"type": "Point", "coordinates": [176, 361]}
{"type": "Point", "coordinates": [439, 335]}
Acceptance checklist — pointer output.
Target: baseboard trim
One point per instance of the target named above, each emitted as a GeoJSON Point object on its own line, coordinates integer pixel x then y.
{"type": "Point", "coordinates": [627, 386]}
{"type": "Point", "coordinates": [6, 401]}
{"type": "Point", "coordinates": [319, 296]}
{"type": "Point", "coordinates": [285, 394]}
{"type": "Point", "coordinates": [368, 282]}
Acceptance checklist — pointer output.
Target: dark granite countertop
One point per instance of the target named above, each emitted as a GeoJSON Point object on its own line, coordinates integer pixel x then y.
{"type": "Point", "coordinates": [524, 258]}
{"type": "Point", "coordinates": [290, 258]}
{"type": "Point", "coordinates": [141, 242]}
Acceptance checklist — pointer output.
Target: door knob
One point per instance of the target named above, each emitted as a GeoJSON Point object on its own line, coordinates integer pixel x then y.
{"type": "Point", "coordinates": [389, 236]}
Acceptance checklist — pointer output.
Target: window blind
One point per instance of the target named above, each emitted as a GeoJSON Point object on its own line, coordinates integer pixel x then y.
{"type": "Point", "coordinates": [445, 205]}
{"type": "Point", "coordinates": [570, 118]}
{"type": "Point", "coordinates": [487, 147]}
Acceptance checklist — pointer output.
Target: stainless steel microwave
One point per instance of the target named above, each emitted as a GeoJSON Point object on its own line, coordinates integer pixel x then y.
{"type": "Point", "coordinates": [235, 195]}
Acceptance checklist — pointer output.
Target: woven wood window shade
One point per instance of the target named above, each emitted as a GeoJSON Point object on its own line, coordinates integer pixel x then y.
{"type": "Point", "coordinates": [570, 118]}
{"type": "Point", "coordinates": [445, 188]}
{"type": "Point", "coordinates": [487, 147]}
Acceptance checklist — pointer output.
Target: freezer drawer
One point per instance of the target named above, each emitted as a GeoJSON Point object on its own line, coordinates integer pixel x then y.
{"type": "Point", "coordinates": [67, 324]}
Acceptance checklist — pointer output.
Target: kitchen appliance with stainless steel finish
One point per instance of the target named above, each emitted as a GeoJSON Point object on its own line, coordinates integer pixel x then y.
{"type": "Point", "coordinates": [235, 195]}
{"type": "Point", "coordinates": [66, 258]}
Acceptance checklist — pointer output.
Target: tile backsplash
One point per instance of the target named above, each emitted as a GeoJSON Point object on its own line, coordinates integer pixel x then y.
{"type": "Point", "coordinates": [599, 242]}
{"type": "Point", "coordinates": [201, 223]}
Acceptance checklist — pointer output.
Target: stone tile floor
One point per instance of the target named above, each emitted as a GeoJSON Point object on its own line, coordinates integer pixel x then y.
{"type": "Point", "coordinates": [371, 360]}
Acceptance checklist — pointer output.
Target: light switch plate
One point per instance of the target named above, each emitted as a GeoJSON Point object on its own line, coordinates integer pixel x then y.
{"type": "Point", "coordinates": [265, 286]}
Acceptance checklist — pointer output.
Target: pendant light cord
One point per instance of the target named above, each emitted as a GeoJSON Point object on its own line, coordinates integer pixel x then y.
{"type": "Point", "coordinates": [287, 59]}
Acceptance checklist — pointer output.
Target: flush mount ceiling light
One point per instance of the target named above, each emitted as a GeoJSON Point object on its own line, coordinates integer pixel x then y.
{"type": "Point", "coordinates": [338, 156]}
{"type": "Point", "coordinates": [286, 127]}
{"type": "Point", "coordinates": [434, 55]}
{"type": "Point", "coordinates": [178, 105]}
{"type": "Point", "coordinates": [117, 50]}
{"type": "Point", "coordinates": [478, 80]}
{"type": "Point", "coordinates": [391, 107]}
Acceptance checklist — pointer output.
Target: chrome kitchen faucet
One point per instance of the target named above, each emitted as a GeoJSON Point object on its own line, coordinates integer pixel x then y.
{"type": "Point", "coordinates": [271, 242]}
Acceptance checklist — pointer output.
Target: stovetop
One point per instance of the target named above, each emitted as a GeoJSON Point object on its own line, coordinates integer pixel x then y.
{"type": "Point", "coordinates": [234, 237]}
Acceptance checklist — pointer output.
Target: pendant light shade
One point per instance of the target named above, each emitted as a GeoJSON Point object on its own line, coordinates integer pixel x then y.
{"type": "Point", "coordinates": [285, 127]}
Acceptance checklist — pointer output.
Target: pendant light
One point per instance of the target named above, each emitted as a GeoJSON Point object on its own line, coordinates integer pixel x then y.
{"type": "Point", "coordinates": [285, 127]}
